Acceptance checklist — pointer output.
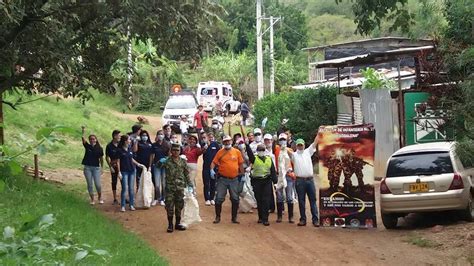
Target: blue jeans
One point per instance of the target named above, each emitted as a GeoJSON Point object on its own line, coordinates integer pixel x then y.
{"type": "Point", "coordinates": [289, 190]}
{"type": "Point", "coordinates": [306, 187]}
{"type": "Point", "coordinates": [92, 174]}
{"type": "Point", "coordinates": [224, 184]}
{"type": "Point", "coordinates": [159, 182]}
{"type": "Point", "coordinates": [128, 180]}
{"type": "Point", "coordinates": [209, 184]}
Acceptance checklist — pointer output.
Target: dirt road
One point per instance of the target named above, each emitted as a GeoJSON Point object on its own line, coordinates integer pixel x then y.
{"type": "Point", "coordinates": [286, 244]}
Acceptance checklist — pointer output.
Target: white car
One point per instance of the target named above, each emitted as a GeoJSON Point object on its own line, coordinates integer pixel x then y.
{"type": "Point", "coordinates": [426, 178]}
{"type": "Point", "coordinates": [208, 91]}
{"type": "Point", "coordinates": [177, 106]}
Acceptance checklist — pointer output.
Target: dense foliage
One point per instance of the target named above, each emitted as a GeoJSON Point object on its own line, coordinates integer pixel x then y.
{"type": "Point", "coordinates": [305, 110]}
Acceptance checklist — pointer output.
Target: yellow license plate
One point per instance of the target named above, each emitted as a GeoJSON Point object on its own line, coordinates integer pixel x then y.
{"type": "Point", "coordinates": [418, 187]}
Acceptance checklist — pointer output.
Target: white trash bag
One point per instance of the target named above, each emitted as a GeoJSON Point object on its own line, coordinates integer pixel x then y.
{"type": "Point", "coordinates": [247, 198]}
{"type": "Point", "coordinates": [146, 190]}
{"type": "Point", "coordinates": [191, 209]}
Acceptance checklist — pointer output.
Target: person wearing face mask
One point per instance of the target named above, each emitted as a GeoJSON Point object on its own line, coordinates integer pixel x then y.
{"type": "Point", "coordinates": [257, 133]}
{"type": "Point", "coordinates": [192, 153]}
{"type": "Point", "coordinates": [111, 156]}
{"type": "Point", "coordinates": [263, 175]}
{"type": "Point", "coordinates": [142, 154]}
{"type": "Point", "coordinates": [284, 187]}
{"type": "Point", "coordinates": [160, 150]}
{"type": "Point", "coordinates": [93, 161]}
{"type": "Point", "coordinates": [303, 169]}
{"type": "Point", "coordinates": [230, 165]}
{"type": "Point", "coordinates": [272, 150]}
{"type": "Point", "coordinates": [216, 130]}
{"type": "Point", "coordinates": [208, 155]}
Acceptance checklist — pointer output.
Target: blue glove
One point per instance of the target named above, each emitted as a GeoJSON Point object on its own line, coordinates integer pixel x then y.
{"type": "Point", "coordinates": [213, 174]}
{"type": "Point", "coordinates": [190, 189]}
{"type": "Point", "coordinates": [163, 160]}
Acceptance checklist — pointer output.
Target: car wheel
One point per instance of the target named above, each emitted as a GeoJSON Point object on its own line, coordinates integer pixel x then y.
{"type": "Point", "coordinates": [468, 213]}
{"type": "Point", "coordinates": [389, 221]}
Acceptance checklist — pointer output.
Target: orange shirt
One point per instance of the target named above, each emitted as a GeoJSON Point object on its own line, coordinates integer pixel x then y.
{"type": "Point", "coordinates": [228, 162]}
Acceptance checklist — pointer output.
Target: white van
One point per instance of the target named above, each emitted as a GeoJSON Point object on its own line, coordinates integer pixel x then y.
{"type": "Point", "coordinates": [208, 91]}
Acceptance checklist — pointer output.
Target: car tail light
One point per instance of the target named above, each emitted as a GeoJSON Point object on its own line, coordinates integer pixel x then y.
{"type": "Point", "coordinates": [384, 188]}
{"type": "Point", "coordinates": [457, 182]}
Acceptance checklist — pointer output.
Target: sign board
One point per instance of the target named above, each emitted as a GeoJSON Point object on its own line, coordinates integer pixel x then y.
{"type": "Point", "coordinates": [346, 173]}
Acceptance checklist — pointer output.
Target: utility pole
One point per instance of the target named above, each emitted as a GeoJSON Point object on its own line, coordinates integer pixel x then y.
{"type": "Point", "coordinates": [260, 90]}
{"type": "Point", "coordinates": [272, 66]}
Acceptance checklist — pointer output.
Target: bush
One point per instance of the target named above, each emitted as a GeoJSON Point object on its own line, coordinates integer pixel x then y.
{"type": "Point", "coordinates": [306, 110]}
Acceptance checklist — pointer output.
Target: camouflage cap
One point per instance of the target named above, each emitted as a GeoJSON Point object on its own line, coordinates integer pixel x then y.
{"type": "Point", "coordinates": [176, 146]}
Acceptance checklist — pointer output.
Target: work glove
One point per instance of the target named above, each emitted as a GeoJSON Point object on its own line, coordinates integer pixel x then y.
{"type": "Point", "coordinates": [183, 157]}
{"type": "Point", "coordinates": [190, 189]}
{"type": "Point", "coordinates": [248, 169]}
{"type": "Point", "coordinates": [120, 176]}
{"type": "Point", "coordinates": [163, 160]}
{"type": "Point", "coordinates": [213, 174]}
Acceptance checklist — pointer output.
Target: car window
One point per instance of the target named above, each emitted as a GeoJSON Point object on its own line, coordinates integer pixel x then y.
{"type": "Point", "coordinates": [181, 103]}
{"type": "Point", "coordinates": [208, 91]}
{"type": "Point", "coordinates": [225, 91]}
{"type": "Point", "coordinates": [423, 163]}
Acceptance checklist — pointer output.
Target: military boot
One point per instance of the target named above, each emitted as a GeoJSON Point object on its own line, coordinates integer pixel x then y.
{"type": "Point", "coordinates": [218, 213]}
{"type": "Point", "coordinates": [178, 225]}
{"type": "Point", "coordinates": [235, 208]}
{"type": "Point", "coordinates": [279, 212]}
{"type": "Point", "coordinates": [170, 224]}
{"type": "Point", "coordinates": [290, 213]}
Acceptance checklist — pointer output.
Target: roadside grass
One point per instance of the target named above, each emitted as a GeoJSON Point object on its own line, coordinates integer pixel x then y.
{"type": "Point", "coordinates": [30, 199]}
{"type": "Point", "coordinates": [97, 115]}
{"type": "Point", "coordinates": [420, 241]}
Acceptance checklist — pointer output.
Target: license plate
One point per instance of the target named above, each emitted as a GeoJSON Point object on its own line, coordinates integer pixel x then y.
{"type": "Point", "coordinates": [418, 187]}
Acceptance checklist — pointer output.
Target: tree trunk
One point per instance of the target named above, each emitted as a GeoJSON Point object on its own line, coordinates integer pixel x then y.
{"type": "Point", "coordinates": [1, 119]}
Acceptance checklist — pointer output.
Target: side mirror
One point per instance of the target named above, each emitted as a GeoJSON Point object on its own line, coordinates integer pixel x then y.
{"type": "Point", "coordinates": [162, 108]}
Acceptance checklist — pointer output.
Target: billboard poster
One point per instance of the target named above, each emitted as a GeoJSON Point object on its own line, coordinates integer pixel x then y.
{"type": "Point", "coordinates": [346, 176]}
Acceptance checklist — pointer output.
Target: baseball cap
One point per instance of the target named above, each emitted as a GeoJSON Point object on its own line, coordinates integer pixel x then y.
{"type": "Point", "coordinates": [268, 136]}
{"type": "Point", "coordinates": [194, 137]}
{"type": "Point", "coordinates": [283, 136]}
{"type": "Point", "coordinates": [257, 131]}
{"type": "Point", "coordinates": [299, 142]}
{"type": "Point", "coordinates": [226, 137]}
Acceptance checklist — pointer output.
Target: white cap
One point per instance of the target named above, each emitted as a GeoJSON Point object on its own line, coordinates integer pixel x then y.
{"type": "Point", "coordinates": [257, 130]}
{"type": "Point", "coordinates": [283, 136]}
{"type": "Point", "coordinates": [268, 136]}
{"type": "Point", "coordinates": [227, 137]}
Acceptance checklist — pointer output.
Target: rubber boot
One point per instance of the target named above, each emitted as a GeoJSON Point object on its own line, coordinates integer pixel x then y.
{"type": "Point", "coordinates": [235, 208]}
{"type": "Point", "coordinates": [178, 225]}
{"type": "Point", "coordinates": [218, 213]}
{"type": "Point", "coordinates": [279, 212]}
{"type": "Point", "coordinates": [170, 224]}
{"type": "Point", "coordinates": [290, 213]}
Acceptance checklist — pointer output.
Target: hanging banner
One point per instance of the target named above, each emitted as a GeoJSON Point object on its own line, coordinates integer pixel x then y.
{"type": "Point", "coordinates": [346, 173]}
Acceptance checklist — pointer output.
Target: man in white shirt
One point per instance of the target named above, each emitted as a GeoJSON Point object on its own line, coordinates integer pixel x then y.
{"type": "Point", "coordinates": [303, 169]}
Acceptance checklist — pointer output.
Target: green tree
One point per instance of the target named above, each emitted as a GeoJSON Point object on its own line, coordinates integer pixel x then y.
{"type": "Point", "coordinates": [66, 47]}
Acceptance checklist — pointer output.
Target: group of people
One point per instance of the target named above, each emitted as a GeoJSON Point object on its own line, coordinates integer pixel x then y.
{"type": "Point", "coordinates": [277, 166]}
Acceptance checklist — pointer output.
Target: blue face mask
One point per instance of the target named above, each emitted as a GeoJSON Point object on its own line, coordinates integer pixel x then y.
{"type": "Point", "coordinates": [144, 138]}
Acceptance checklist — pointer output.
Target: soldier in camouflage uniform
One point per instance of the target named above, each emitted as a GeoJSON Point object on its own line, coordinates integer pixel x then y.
{"type": "Point", "coordinates": [350, 165]}
{"type": "Point", "coordinates": [177, 180]}
{"type": "Point", "coordinates": [334, 165]}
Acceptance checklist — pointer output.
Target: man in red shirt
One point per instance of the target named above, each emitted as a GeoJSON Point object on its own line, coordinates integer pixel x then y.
{"type": "Point", "coordinates": [200, 119]}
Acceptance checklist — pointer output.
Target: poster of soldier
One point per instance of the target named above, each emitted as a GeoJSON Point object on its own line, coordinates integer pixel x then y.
{"type": "Point", "coordinates": [346, 172]}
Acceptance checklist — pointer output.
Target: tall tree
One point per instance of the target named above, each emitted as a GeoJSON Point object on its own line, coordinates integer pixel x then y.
{"type": "Point", "coordinates": [66, 46]}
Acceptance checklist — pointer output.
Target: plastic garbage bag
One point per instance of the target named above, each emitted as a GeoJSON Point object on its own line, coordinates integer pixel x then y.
{"type": "Point", "coordinates": [146, 190]}
{"type": "Point", "coordinates": [247, 198]}
{"type": "Point", "coordinates": [191, 209]}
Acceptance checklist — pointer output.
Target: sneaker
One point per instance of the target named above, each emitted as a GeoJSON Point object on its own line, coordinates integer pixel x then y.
{"type": "Point", "coordinates": [162, 203]}
{"type": "Point", "coordinates": [122, 209]}
{"type": "Point", "coordinates": [154, 202]}
{"type": "Point", "coordinates": [213, 202]}
{"type": "Point", "coordinates": [101, 201]}
{"type": "Point", "coordinates": [92, 202]}
{"type": "Point", "coordinates": [208, 203]}
{"type": "Point", "coordinates": [132, 208]}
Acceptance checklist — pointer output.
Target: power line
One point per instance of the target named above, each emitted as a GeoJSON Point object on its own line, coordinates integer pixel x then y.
{"type": "Point", "coordinates": [295, 31]}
